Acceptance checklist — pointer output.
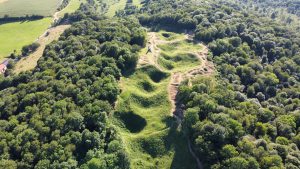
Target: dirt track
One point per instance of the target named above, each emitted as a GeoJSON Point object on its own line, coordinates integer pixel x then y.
{"type": "Point", "coordinates": [151, 57]}
{"type": "Point", "coordinates": [206, 68]}
{"type": "Point", "coordinates": [51, 34]}
{"type": "Point", "coordinates": [30, 61]}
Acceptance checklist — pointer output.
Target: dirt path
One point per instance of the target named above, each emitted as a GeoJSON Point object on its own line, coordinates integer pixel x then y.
{"type": "Point", "coordinates": [206, 68]}
{"type": "Point", "coordinates": [51, 34]}
{"type": "Point", "coordinates": [30, 62]}
{"type": "Point", "coordinates": [153, 51]}
{"type": "Point", "coordinates": [151, 57]}
{"type": "Point", "coordinates": [199, 163]}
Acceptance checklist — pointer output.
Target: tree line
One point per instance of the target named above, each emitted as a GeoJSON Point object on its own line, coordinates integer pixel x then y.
{"type": "Point", "coordinates": [248, 115]}
{"type": "Point", "coordinates": [57, 115]}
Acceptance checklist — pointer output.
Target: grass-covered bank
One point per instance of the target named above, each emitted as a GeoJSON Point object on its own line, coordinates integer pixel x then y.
{"type": "Point", "coordinates": [151, 136]}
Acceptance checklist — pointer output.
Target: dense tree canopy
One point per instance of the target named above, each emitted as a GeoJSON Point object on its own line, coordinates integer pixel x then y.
{"type": "Point", "coordinates": [245, 117]}
{"type": "Point", "coordinates": [248, 115]}
{"type": "Point", "coordinates": [57, 115]}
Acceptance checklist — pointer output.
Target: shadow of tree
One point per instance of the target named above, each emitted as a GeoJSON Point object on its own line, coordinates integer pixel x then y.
{"type": "Point", "coordinates": [176, 140]}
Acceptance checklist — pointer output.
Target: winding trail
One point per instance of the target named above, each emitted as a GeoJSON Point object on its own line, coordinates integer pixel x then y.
{"type": "Point", "coordinates": [30, 62]}
{"type": "Point", "coordinates": [51, 34]}
{"type": "Point", "coordinates": [206, 68]}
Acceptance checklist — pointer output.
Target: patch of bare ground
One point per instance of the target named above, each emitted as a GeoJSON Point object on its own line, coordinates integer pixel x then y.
{"type": "Point", "coordinates": [150, 57]}
{"type": "Point", "coordinates": [29, 62]}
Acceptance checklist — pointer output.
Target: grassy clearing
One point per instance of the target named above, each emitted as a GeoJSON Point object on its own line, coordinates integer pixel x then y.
{"type": "Point", "coordinates": [18, 8]}
{"type": "Point", "coordinates": [180, 55]}
{"type": "Point", "coordinates": [179, 62]}
{"type": "Point", "coordinates": [149, 133]}
{"type": "Point", "coordinates": [72, 7]}
{"type": "Point", "coordinates": [169, 36]}
{"type": "Point", "coordinates": [30, 62]}
{"type": "Point", "coordinates": [151, 136]}
{"type": "Point", "coordinates": [15, 35]}
{"type": "Point", "coordinates": [115, 6]}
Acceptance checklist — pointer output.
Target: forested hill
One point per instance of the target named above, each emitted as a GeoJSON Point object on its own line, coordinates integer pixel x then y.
{"type": "Point", "coordinates": [99, 98]}
{"type": "Point", "coordinates": [57, 116]}
{"type": "Point", "coordinates": [248, 115]}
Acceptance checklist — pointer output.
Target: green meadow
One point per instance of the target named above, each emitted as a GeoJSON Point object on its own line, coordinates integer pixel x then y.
{"type": "Point", "coordinates": [72, 7]}
{"type": "Point", "coordinates": [15, 35]}
{"type": "Point", "coordinates": [143, 118]}
{"type": "Point", "coordinates": [19, 8]}
{"type": "Point", "coordinates": [116, 5]}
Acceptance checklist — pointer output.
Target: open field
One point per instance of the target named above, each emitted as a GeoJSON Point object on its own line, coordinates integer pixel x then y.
{"type": "Point", "coordinates": [72, 7]}
{"type": "Point", "coordinates": [115, 6]}
{"type": "Point", "coordinates": [144, 109]}
{"type": "Point", "coordinates": [19, 8]}
{"type": "Point", "coordinates": [29, 62]}
{"type": "Point", "coordinates": [15, 35]}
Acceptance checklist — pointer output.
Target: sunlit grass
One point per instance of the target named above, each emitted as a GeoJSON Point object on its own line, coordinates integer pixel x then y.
{"type": "Point", "coordinates": [71, 7]}
{"type": "Point", "coordinates": [115, 6]}
{"type": "Point", "coordinates": [15, 35]}
{"type": "Point", "coordinates": [143, 118]}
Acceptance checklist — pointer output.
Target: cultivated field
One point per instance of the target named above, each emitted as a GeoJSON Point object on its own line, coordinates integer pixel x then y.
{"type": "Point", "coordinates": [13, 36]}
{"type": "Point", "coordinates": [18, 8]}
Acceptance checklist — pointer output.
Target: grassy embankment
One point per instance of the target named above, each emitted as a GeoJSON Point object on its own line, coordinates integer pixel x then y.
{"type": "Point", "coordinates": [151, 136]}
{"type": "Point", "coordinates": [30, 62]}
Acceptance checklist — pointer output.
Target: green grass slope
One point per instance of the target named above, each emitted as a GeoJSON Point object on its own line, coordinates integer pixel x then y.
{"type": "Point", "coordinates": [72, 7]}
{"type": "Point", "coordinates": [116, 5]}
{"type": "Point", "coordinates": [18, 8]}
{"type": "Point", "coordinates": [15, 35]}
{"type": "Point", "coordinates": [150, 134]}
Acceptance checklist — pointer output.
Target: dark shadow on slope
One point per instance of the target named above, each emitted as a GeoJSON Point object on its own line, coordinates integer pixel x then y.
{"type": "Point", "coordinates": [133, 122]}
{"type": "Point", "coordinates": [177, 141]}
{"type": "Point", "coordinates": [155, 74]}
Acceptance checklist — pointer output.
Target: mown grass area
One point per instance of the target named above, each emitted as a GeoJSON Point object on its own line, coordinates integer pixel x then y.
{"type": "Point", "coordinates": [114, 6]}
{"type": "Point", "coordinates": [19, 8]}
{"type": "Point", "coordinates": [150, 134]}
{"type": "Point", "coordinates": [72, 7]}
{"type": "Point", "coordinates": [178, 62]}
{"type": "Point", "coordinates": [180, 55]}
{"type": "Point", "coordinates": [15, 35]}
{"type": "Point", "coordinates": [169, 36]}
